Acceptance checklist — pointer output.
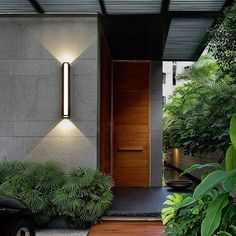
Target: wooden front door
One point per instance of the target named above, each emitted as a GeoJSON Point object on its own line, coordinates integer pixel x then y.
{"type": "Point", "coordinates": [131, 123]}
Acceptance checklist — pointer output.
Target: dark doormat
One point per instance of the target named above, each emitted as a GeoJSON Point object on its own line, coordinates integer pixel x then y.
{"type": "Point", "coordinates": [138, 201]}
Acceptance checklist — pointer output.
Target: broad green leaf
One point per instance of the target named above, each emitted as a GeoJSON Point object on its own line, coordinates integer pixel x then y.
{"type": "Point", "coordinates": [233, 228]}
{"type": "Point", "coordinates": [168, 202]}
{"type": "Point", "coordinates": [196, 210]}
{"type": "Point", "coordinates": [199, 166]}
{"type": "Point", "coordinates": [167, 214]}
{"type": "Point", "coordinates": [166, 209]}
{"type": "Point", "coordinates": [167, 217]}
{"type": "Point", "coordinates": [186, 202]}
{"type": "Point", "coordinates": [209, 183]}
{"type": "Point", "coordinates": [174, 199]}
{"type": "Point", "coordinates": [223, 233]}
{"type": "Point", "coordinates": [233, 130]}
{"type": "Point", "coordinates": [228, 214]}
{"type": "Point", "coordinates": [213, 217]}
{"type": "Point", "coordinates": [230, 158]}
{"type": "Point", "coordinates": [230, 182]}
{"type": "Point", "coordinates": [204, 175]}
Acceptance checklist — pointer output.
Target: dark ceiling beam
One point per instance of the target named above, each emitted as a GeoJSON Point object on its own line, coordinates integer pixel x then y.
{"type": "Point", "coordinates": [166, 19]}
{"type": "Point", "coordinates": [36, 6]}
{"type": "Point", "coordinates": [165, 6]}
{"type": "Point", "coordinates": [103, 8]}
{"type": "Point", "coordinates": [194, 14]}
{"type": "Point", "coordinates": [133, 37]}
{"type": "Point", "coordinates": [229, 3]}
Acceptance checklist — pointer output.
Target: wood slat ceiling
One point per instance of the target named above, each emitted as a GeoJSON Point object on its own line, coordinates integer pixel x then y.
{"type": "Point", "coordinates": [196, 5]}
{"type": "Point", "coordinates": [133, 6]}
{"type": "Point", "coordinates": [16, 6]}
{"type": "Point", "coordinates": [112, 6]}
{"type": "Point", "coordinates": [82, 6]}
{"type": "Point", "coordinates": [185, 36]}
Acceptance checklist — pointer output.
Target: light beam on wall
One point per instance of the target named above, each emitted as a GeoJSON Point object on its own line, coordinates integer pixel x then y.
{"type": "Point", "coordinates": [66, 90]}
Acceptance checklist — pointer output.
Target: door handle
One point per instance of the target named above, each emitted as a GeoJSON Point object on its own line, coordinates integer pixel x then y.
{"type": "Point", "coordinates": [132, 149]}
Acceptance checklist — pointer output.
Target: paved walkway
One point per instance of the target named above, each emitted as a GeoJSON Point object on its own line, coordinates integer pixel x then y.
{"type": "Point", "coordinates": [61, 232]}
{"type": "Point", "coordinates": [137, 201]}
{"type": "Point", "coordinates": [127, 228]}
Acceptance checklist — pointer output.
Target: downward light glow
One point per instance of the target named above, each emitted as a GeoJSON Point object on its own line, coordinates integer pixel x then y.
{"type": "Point", "coordinates": [66, 90]}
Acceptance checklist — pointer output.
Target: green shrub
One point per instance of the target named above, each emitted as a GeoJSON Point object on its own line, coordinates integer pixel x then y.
{"type": "Point", "coordinates": [223, 43]}
{"type": "Point", "coordinates": [211, 209]}
{"type": "Point", "coordinates": [197, 117]}
{"type": "Point", "coordinates": [84, 196]}
{"type": "Point", "coordinates": [81, 196]}
{"type": "Point", "coordinates": [183, 221]}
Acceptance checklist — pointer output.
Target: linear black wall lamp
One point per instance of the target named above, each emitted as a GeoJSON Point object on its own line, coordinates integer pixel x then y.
{"type": "Point", "coordinates": [66, 90]}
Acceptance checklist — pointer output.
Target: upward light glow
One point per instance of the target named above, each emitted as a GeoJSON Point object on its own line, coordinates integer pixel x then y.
{"type": "Point", "coordinates": [65, 90]}
{"type": "Point", "coordinates": [66, 126]}
{"type": "Point", "coordinates": [68, 57]}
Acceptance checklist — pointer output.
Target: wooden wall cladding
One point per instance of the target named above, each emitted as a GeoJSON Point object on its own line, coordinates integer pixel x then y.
{"type": "Point", "coordinates": [105, 109]}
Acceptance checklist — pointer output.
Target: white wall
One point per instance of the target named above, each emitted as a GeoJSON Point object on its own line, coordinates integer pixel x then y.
{"type": "Point", "coordinates": [168, 87]}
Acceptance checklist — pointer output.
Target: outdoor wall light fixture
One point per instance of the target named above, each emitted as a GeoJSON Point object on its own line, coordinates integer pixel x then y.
{"type": "Point", "coordinates": [66, 90]}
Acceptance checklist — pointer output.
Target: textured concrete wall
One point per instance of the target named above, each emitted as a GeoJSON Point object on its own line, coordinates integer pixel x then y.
{"type": "Point", "coordinates": [183, 162]}
{"type": "Point", "coordinates": [31, 52]}
{"type": "Point", "coordinates": [156, 123]}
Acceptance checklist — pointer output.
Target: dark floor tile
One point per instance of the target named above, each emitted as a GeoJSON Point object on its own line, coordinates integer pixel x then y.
{"type": "Point", "coordinates": [160, 195]}
{"type": "Point", "coordinates": [132, 201]}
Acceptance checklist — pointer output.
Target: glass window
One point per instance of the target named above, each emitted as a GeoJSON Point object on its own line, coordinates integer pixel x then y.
{"type": "Point", "coordinates": [174, 74]}
{"type": "Point", "coordinates": [163, 100]}
{"type": "Point", "coordinates": [164, 78]}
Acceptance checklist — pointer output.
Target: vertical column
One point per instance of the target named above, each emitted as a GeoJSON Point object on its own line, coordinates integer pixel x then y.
{"type": "Point", "coordinates": [156, 123]}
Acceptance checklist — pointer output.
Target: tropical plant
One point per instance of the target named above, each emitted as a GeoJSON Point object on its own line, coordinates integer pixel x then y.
{"type": "Point", "coordinates": [198, 116]}
{"type": "Point", "coordinates": [214, 198]}
{"type": "Point", "coordinates": [32, 184]}
{"type": "Point", "coordinates": [84, 196]}
{"type": "Point", "coordinates": [223, 41]}
{"type": "Point", "coordinates": [81, 197]}
{"type": "Point", "coordinates": [183, 221]}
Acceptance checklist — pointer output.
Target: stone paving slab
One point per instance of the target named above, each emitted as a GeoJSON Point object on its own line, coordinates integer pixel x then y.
{"type": "Point", "coordinates": [139, 202]}
{"type": "Point", "coordinates": [61, 232]}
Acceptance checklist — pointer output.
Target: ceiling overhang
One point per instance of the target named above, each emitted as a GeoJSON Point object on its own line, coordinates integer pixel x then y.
{"type": "Point", "coordinates": [139, 29]}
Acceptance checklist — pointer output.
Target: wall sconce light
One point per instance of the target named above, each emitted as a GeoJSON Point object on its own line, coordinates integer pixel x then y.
{"type": "Point", "coordinates": [66, 90]}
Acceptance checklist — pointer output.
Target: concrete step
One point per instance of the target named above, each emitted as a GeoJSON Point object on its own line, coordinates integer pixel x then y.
{"type": "Point", "coordinates": [130, 218]}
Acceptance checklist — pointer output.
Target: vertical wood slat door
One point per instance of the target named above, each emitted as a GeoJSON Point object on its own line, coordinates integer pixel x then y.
{"type": "Point", "coordinates": [131, 123]}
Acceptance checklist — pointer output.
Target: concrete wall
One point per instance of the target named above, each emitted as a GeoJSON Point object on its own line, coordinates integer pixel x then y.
{"type": "Point", "coordinates": [156, 123]}
{"type": "Point", "coordinates": [181, 161]}
{"type": "Point", "coordinates": [31, 52]}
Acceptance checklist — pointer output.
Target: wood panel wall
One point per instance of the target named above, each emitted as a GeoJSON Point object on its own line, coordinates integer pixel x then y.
{"type": "Point", "coordinates": [105, 109]}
